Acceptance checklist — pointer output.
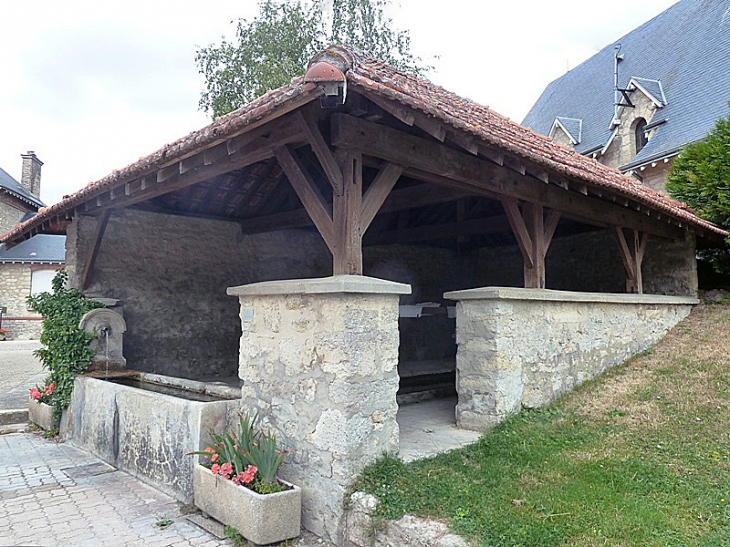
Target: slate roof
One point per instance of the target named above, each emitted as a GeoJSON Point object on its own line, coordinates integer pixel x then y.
{"type": "Point", "coordinates": [13, 187]}
{"type": "Point", "coordinates": [686, 48]}
{"type": "Point", "coordinates": [375, 78]}
{"type": "Point", "coordinates": [571, 126]}
{"type": "Point", "coordinates": [41, 249]}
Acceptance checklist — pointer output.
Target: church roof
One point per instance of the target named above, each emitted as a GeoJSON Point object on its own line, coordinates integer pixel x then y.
{"type": "Point", "coordinates": [679, 59]}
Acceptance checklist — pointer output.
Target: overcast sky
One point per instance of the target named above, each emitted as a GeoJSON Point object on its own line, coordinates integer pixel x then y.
{"type": "Point", "coordinates": [93, 86]}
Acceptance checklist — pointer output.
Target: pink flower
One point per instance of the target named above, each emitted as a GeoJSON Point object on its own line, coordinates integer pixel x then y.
{"type": "Point", "coordinates": [215, 468]}
{"type": "Point", "coordinates": [226, 469]}
{"type": "Point", "coordinates": [48, 390]}
{"type": "Point", "coordinates": [35, 394]}
{"type": "Point", "coordinates": [209, 449]}
{"type": "Point", "coordinates": [248, 475]}
{"type": "Point", "coordinates": [214, 457]}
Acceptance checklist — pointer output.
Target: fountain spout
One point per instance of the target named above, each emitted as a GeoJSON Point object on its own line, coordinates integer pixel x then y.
{"type": "Point", "coordinates": [108, 327]}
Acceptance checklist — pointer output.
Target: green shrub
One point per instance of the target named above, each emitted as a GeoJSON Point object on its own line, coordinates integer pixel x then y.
{"type": "Point", "coordinates": [65, 352]}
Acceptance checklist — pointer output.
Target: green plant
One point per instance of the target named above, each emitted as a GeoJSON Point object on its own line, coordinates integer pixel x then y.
{"type": "Point", "coordinates": [248, 457]}
{"type": "Point", "coordinates": [65, 352]}
{"type": "Point", "coordinates": [43, 394]}
{"type": "Point", "coordinates": [234, 535]}
{"type": "Point", "coordinates": [163, 522]}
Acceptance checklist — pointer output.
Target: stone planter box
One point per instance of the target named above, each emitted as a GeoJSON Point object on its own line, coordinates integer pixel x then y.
{"type": "Point", "coordinates": [261, 519]}
{"type": "Point", "coordinates": [41, 414]}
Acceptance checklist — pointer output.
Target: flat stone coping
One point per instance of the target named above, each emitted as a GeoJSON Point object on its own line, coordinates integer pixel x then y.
{"type": "Point", "coordinates": [549, 295]}
{"type": "Point", "coordinates": [358, 284]}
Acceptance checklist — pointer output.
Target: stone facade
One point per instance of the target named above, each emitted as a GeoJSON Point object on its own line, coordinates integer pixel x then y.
{"type": "Point", "coordinates": [525, 347]}
{"type": "Point", "coordinates": [623, 146]}
{"type": "Point", "coordinates": [20, 322]}
{"type": "Point", "coordinates": [319, 362]}
{"type": "Point", "coordinates": [11, 211]}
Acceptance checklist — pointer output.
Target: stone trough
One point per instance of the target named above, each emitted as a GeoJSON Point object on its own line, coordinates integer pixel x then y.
{"type": "Point", "coordinates": [147, 424]}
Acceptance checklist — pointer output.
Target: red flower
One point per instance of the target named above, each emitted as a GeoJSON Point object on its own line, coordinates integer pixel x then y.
{"type": "Point", "coordinates": [248, 475]}
{"type": "Point", "coordinates": [215, 468]}
{"type": "Point", "coordinates": [35, 394]}
{"type": "Point", "coordinates": [226, 470]}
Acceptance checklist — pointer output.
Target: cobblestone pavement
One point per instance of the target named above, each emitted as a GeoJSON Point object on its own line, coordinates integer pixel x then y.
{"type": "Point", "coordinates": [52, 494]}
{"type": "Point", "coordinates": [19, 371]}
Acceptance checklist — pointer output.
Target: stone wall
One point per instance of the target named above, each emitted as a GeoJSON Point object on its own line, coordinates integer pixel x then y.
{"type": "Point", "coordinates": [525, 347]}
{"type": "Point", "coordinates": [15, 282]}
{"type": "Point", "coordinates": [656, 177]}
{"type": "Point", "coordinates": [623, 146]}
{"type": "Point", "coordinates": [146, 434]}
{"type": "Point", "coordinates": [319, 362]}
{"type": "Point", "coordinates": [11, 211]}
{"type": "Point", "coordinates": [171, 273]}
{"type": "Point", "coordinates": [670, 267]}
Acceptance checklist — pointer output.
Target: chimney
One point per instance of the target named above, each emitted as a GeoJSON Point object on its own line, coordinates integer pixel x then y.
{"type": "Point", "coordinates": [31, 176]}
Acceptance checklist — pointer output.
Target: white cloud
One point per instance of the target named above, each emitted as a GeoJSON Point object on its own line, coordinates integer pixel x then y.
{"type": "Point", "coordinates": [94, 86]}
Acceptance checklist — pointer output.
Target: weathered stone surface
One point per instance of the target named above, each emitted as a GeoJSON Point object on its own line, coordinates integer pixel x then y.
{"type": "Point", "coordinates": [320, 368]}
{"type": "Point", "coordinates": [261, 519]}
{"type": "Point", "coordinates": [108, 328]}
{"type": "Point", "coordinates": [146, 434]}
{"type": "Point", "coordinates": [408, 531]}
{"type": "Point", "coordinates": [525, 347]}
{"type": "Point", "coordinates": [41, 415]}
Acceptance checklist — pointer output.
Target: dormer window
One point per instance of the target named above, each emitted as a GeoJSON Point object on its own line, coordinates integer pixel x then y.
{"type": "Point", "coordinates": [640, 134]}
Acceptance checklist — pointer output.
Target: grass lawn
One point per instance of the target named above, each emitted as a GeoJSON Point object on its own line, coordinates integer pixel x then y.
{"type": "Point", "coordinates": [637, 457]}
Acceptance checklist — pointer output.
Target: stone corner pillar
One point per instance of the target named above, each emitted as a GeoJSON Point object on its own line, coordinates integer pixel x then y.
{"type": "Point", "coordinates": [488, 379]}
{"type": "Point", "coordinates": [318, 358]}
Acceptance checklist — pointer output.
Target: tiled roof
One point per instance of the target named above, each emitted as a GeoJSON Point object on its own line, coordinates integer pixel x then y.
{"type": "Point", "coordinates": [12, 186]}
{"type": "Point", "coordinates": [41, 249]}
{"type": "Point", "coordinates": [375, 78]}
{"type": "Point", "coordinates": [686, 48]}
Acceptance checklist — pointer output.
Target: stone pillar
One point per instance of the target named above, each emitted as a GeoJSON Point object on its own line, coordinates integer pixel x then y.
{"type": "Point", "coordinates": [319, 362]}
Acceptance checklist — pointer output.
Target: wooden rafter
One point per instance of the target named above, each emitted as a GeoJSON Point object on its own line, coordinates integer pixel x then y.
{"type": "Point", "coordinates": [377, 193]}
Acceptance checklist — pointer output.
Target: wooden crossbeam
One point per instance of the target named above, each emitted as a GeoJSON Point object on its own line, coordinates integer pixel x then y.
{"type": "Point", "coordinates": [533, 233]}
{"type": "Point", "coordinates": [309, 195]}
{"type": "Point", "coordinates": [101, 223]}
{"type": "Point", "coordinates": [471, 174]}
{"type": "Point", "coordinates": [632, 255]}
{"type": "Point", "coordinates": [377, 193]}
{"type": "Point", "coordinates": [322, 151]}
{"type": "Point", "coordinates": [519, 228]}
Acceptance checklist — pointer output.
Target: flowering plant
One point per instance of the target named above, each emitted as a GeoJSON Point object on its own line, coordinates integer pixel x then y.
{"type": "Point", "coordinates": [3, 331]}
{"type": "Point", "coordinates": [44, 394]}
{"type": "Point", "coordinates": [248, 457]}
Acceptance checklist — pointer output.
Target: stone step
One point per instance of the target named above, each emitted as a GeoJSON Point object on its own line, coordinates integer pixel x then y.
{"type": "Point", "coordinates": [14, 416]}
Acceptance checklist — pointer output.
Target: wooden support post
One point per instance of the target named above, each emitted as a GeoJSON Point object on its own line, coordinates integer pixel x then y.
{"type": "Point", "coordinates": [346, 212]}
{"type": "Point", "coordinates": [534, 234]}
{"type": "Point", "coordinates": [535, 276]}
{"type": "Point", "coordinates": [632, 255]}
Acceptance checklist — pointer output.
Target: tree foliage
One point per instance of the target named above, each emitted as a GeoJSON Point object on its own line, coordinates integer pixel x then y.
{"type": "Point", "coordinates": [700, 176]}
{"type": "Point", "coordinates": [65, 350]}
{"type": "Point", "coordinates": [275, 46]}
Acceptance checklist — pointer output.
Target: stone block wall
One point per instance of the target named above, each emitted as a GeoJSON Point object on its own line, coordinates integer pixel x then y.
{"type": "Point", "coordinates": [319, 362]}
{"type": "Point", "coordinates": [525, 347]}
{"type": "Point", "coordinates": [171, 274]}
{"type": "Point", "coordinates": [15, 283]}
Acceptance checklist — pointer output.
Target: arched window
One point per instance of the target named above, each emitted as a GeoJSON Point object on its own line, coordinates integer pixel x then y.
{"type": "Point", "coordinates": [639, 135]}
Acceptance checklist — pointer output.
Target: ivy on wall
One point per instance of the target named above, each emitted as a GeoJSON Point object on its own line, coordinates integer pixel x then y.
{"type": "Point", "coordinates": [65, 352]}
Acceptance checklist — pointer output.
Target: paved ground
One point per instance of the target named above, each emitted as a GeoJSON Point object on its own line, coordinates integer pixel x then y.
{"type": "Point", "coordinates": [53, 494]}
{"type": "Point", "coordinates": [19, 371]}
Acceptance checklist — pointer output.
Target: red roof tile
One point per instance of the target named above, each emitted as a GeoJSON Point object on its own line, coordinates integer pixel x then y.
{"type": "Point", "coordinates": [376, 77]}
